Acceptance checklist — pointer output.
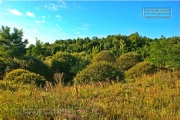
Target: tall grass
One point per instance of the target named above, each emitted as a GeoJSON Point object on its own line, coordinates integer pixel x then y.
{"type": "Point", "coordinates": [147, 97]}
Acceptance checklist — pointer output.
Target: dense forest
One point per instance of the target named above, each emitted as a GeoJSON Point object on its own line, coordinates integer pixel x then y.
{"type": "Point", "coordinates": [74, 55]}
{"type": "Point", "coordinates": [83, 61]}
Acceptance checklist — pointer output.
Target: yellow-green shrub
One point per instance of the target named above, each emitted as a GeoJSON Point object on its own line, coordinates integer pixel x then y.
{"type": "Point", "coordinates": [128, 60]}
{"type": "Point", "coordinates": [139, 69]}
{"type": "Point", "coordinates": [21, 76]}
{"type": "Point", "coordinates": [104, 56]}
{"type": "Point", "coordinates": [99, 71]}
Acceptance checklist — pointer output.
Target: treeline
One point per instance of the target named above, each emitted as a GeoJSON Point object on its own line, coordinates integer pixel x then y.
{"type": "Point", "coordinates": [116, 44]}
{"type": "Point", "coordinates": [71, 57]}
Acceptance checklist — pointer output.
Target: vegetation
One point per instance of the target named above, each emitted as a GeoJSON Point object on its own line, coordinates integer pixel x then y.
{"type": "Point", "coordinates": [140, 69]}
{"type": "Point", "coordinates": [63, 62]}
{"type": "Point", "coordinates": [104, 56]}
{"type": "Point", "coordinates": [21, 77]}
{"type": "Point", "coordinates": [128, 60]}
{"type": "Point", "coordinates": [149, 97]}
{"type": "Point", "coordinates": [99, 71]}
{"type": "Point", "coordinates": [95, 68]}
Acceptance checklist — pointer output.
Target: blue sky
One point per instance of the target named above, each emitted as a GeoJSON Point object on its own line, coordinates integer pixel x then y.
{"type": "Point", "coordinates": [52, 20]}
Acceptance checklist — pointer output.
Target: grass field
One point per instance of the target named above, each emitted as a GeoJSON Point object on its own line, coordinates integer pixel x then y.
{"type": "Point", "coordinates": [154, 97]}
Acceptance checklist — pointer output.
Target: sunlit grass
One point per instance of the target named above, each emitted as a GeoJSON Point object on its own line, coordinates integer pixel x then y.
{"type": "Point", "coordinates": [147, 97]}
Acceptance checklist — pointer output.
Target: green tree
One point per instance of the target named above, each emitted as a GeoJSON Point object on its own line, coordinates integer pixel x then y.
{"type": "Point", "coordinates": [12, 44]}
{"type": "Point", "coordinates": [37, 51]}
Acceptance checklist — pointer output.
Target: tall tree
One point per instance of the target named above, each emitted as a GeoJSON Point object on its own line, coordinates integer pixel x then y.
{"type": "Point", "coordinates": [11, 43]}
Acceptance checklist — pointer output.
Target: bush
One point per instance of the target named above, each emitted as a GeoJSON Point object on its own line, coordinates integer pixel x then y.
{"type": "Point", "coordinates": [63, 62]}
{"type": "Point", "coordinates": [99, 71]}
{"type": "Point", "coordinates": [21, 76]}
{"type": "Point", "coordinates": [140, 69]}
{"type": "Point", "coordinates": [128, 60]}
{"type": "Point", "coordinates": [83, 60]}
{"type": "Point", "coordinates": [35, 65]}
{"type": "Point", "coordinates": [104, 56]}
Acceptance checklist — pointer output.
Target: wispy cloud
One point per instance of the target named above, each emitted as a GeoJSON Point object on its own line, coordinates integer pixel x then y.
{"type": "Point", "coordinates": [56, 7]}
{"type": "Point", "coordinates": [84, 27]}
{"type": "Point", "coordinates": [30, 14]}
{"type": "Point", "coordinates": [40, 21]}
{"type": "Point", "coordinates": [58, 17]}
{"type": "Point", "coordinates": [35, 30]}
{"type": "Point", "coordinates": [43, 17]}
{"type": "Point", "coordinates": [131, 30]}
{"type": "Point", "coordinates": [78, 33]}
{"type": "Point", "coordinates": [43, 21]}
{"type": "Point", "coordinates": [15, 12]}
{"type": "Point", "coordinates": [58, 27]}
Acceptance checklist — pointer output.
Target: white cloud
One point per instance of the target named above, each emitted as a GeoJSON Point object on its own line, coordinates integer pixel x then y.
{"type": "Point", "coordinates": [78, 33]}
{"type": "Point", "coordinates": [43, 17]}
{"type": "Point", "coordinates": [35, 30]}
{"type": "Point", "coordinates": [58, 27]}
{"type": "Point", "coordinates": [30, 14]}
{"type": "Point", "coordinates": [37, 8]}
{"type": "Point", "coordinates": [58, 16]}
{"type": "Point", "coordinates": [131, 30]}
{"type": "Point", "coordinates": [15, 12]}
{"type": "Point", "coordinates": [39, 21]}
{"type": "Point", "coordinates": [43, 21]}
{"type": "Point", "coordinates": [86, 25]}
{"type": "Point", "coordinates": [85, 28]}
{"type": "Point", "coordinates": [0, 1]}
{"type": "Point", "coordinates": [56, 7]}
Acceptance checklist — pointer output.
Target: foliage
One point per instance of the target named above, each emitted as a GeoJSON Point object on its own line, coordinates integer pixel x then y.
{"type": "Point", "coordinates": [21, 76]}
{"type": "Point", "coordinates": [35, 65]}
{"type": "Point", "coordinates": [11, 44]}
{"type": "Point", "coordinates": [128, 60]}
{"type": "Point", "coordinates": [83, 59]}
{"type": "Point", "coordinates": [37, 50]}
{"type": "Point", "coordinates": [165, 53]}
{"type": "Point", "coordinates": [149, 97]}
{"type": "Point", "coordinates": [63, 62]}
{"type": "Point", "coordinates": [104, 56]}
{"type": "Point", "coordinates": [2, 68]}
{"type": "Point", "coordinates": [140, 69]}
{"type": "Point", "coordinates": [100, 71]}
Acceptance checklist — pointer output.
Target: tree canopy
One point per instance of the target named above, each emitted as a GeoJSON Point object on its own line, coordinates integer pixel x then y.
{"type": "Point", "coordinates": [12, 43]}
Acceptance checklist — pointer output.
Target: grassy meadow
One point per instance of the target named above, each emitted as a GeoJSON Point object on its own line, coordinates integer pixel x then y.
{"type": "Point", "coordinates": [153, 97]}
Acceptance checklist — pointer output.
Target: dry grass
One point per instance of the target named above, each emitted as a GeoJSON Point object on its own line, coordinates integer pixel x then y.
{"type": "Point", "coordinates": [148, 97]}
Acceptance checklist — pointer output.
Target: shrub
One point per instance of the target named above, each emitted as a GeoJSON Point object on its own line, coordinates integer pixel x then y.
{"type": "Point", "coordinates": [99, 71]}
{"type": "Point", "coordinates": [83, 60]}
{"type": "Point", "coordinates": [35, 65]}
{"type": "Point", "coordinates": [63, 62]}
{"type": "Point", "coordinates": [104, 56]}
{"type": "Point", "coordinates": [139, 69]}
{"type": "Point", "coordinates": [21, 76]}
{"type": "Point", "coordinates": [128, 60]}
